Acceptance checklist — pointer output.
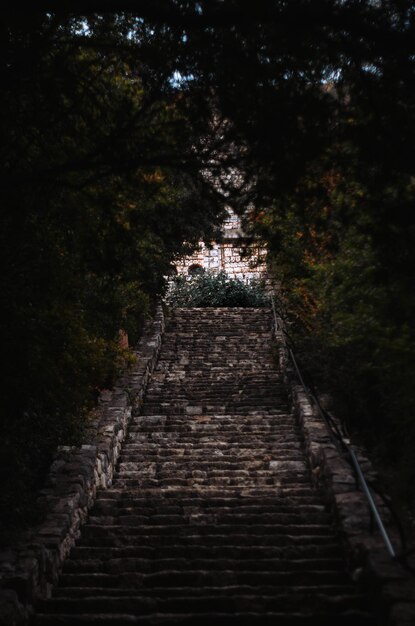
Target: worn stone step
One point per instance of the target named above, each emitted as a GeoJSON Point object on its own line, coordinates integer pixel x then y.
{"type": "Point", "coordinates": [230, 498]}
{"type": "Point", "coordinates": [160, 507]}
{"type": "Point", "coordinates": [191, 539]}
{"type": "Point", "coordinates": [276, 430]}
{"type": "Point", "coordinates": [142, 604]}
{"type": "Point", "coordinates": [211, 530]}
{"type": "Point", "coordinates": [199, 517]}
{"type": "Point", "coordinates": [230, 493]}
{"type": "Point", "coordinates": [226, 590]}
{"type": "Point", "coordinates": [134, 564]}
{"type": "Point", "coordinates": [212, 517]}
{"type": "Point", "coordinates": [331, 550]}
{"type": "Point", "coordinates": [237, 385]}
{"type": "Point", "coordinates": [217, 449]}
{"type": "Point", "coordinates": [200, 440]}
{"type": "Point", "coordinates": [155, 408]}
{"type": "Point", "coordinates": [270, 464]}
{"type": "Point", "coordinates": [168, 396]}
{"type": "Point", "coordinates": [222, 481]}
{"type": "Point", "coordinates": [357, 618]}
{"type": "Point", "coordinates": [200, 578]}
{"type": "Point", "coordinates": [224, 421]}
{"type": "Point", "coordinates": [271, 439]}
{"type": "Point", "coordinates": [218, 469]}
{"type": "Point", "coordinates": [172, 507]}
{"type": "Point", "coordinates": [153, 453]}
{"type": "Point", "coordinates": [197, 455]}
{"type": "Point", "coordinates": [236, 388]}
{"type": "Point", "coordinates": [204, 429]}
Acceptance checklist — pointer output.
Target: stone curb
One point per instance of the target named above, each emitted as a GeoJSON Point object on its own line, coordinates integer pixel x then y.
{"type": "Point", "coordinates": [29, 571]}
{"type": "Point", "coordinates": [390, 586]}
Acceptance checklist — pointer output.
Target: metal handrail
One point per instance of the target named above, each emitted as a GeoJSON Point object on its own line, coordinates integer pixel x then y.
{"type": "Point", "coordinates": [279, 327]}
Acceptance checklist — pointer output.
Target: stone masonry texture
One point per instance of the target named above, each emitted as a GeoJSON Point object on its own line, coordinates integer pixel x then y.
{"type": "Point", "coordinates": [30, 569]}
{"type": "Point", "coordinates": [212, 515]}
{"type": "Point", "coordinates": [208, 492]}
{"type": "Point", "coordinates": [228, 255]}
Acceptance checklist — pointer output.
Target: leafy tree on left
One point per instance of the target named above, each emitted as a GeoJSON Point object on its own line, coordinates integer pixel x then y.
{"type": "Point", "coordinates": [97, 199]}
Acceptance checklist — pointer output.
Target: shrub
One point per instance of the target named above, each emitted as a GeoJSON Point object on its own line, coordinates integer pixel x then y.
{"type": "Point", "coordinates": [215, 290]}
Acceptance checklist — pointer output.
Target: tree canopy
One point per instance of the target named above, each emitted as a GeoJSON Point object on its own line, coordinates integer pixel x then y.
{"type": "Point", "coordinates": [128, 126]}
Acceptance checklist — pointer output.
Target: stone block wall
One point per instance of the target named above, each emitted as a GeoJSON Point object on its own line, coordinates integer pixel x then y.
{"type": "Point", "coordinates": [229, 255]}
{"type": "Point", "coordinates": [30, 569]}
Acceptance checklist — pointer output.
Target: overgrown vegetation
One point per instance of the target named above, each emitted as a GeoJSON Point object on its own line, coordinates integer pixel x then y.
{"type": "Point", "coordinates": [124, 133]}
{"type": "Point", "coordinates": [345, 253]}
{"type": "Point", "coordinates": [93, 214]}
{"type": "Point", "coordinates": [208, 289]}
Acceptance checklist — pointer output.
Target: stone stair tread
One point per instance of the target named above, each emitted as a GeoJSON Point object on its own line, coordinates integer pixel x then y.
{"type": "Point", "coordinates": [212, 517]}
{"type": "Point", "coordinates": [197, 518]}
{"type": "Point", "coordinates": [225, 590]}
{"type": "Point", "coordinates": [146, 565]}
{"type": "Point", "coordinates": [231, 491]}
{"type": "Point", "coordinates": [191, 540]}
{"type": "Point", "coordinates": [169, 506]}
{"type": "Point", "coordinates": [357, 618]}
{"type": "Point", "coordinates": [199, 550]}
{"type": "Point", "coordinates": [209, 529]}
{"type": "Point", "coordinates": [195, 577]}
{"type": "Point", "coordinates": [145, 604]}
{"type": "Point", "coordinates": [250, 482]}
{"type": "Point", "coordinates": [120, 498]}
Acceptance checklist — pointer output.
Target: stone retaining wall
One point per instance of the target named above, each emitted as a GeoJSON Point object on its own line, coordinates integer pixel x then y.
{"type": "Point", "coordinates": [29, 570]}
{"type": "Point", "coordinates": [390, 585]}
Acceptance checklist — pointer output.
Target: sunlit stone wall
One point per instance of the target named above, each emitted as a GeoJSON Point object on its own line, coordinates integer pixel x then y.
{"type": "Point", "coordinates": [229, 255]}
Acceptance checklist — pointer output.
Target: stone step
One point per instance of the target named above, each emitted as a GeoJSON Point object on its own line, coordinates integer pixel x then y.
{"type": "Point", "coordinates": [182, 384]}
{"type": "Point", "coordinates": [229, 500]}
{"type": "Point", "coordinates": [157, 465]}
{"type": "Point", "coordinates": [203, 409]}
{"type": "Point", "coordinates": [221, 481]}
{"type": "Point", "coordinates": [292, 462]}
{"type": "Point", "coordinates": [256, 429]}
{"type": "Point", "coordinates": [205, 530]}
{"type": "Point", "coordinates": [226, 590]}
{"type": "Point", "coordinates": [229, 438]}
{"type": "Point", "coordinates": [212, 517]}
{"type": "Point", "coordinates": [236, 422]}
{"type": "Point", "coordinates": [178, 448]}
{"type": "Point", "coordinates": [243, 385]}
{"type": "Point", "coordinates": [141, 604]}
{"type": "Point", "coordinates": [291, 467]}
{"type": "Point", "coordinates": [119, 539]}
{"type": "Point", "coordinates": [209, 412]}
{"type": "Point", "coordinates": [190, 578]}
{"type": "Point", "coordinates": [178, 331]}
{"type": "Point", "coordinates": [152, 453]}
{"type": "Point", "coordinates": [233, 519]}
{"type": "Point", "coordinates": [201, 550]}
{"type": "Point", "coordinates": [247, 618]}
{"type": "Point", "coordinates": [183, 564]}
{"type": "Point", "coordinates": [231, 493]}
{"type": "Point", "coordinates": [162, 507]}
{"type": "Point", "coordinates": [210, 339]}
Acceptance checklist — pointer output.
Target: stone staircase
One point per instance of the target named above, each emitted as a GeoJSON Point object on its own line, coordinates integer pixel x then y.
{"type": "Point", "coordinates": [212, 517]}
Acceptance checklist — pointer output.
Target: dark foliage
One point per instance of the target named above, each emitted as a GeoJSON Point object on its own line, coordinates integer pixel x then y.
{"type": "Point", "coordinates": [97, 201]}
{"type": "Point", "coordinates": [123, 128]}
{"type": "Point", "coordinates": [207, 289]}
